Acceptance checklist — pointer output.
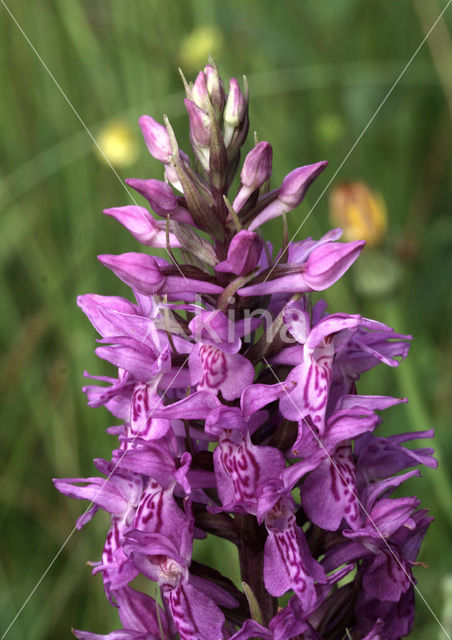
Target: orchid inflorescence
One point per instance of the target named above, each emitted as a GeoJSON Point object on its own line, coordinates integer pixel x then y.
{"type": "Point", "coordinates": [239, 412]}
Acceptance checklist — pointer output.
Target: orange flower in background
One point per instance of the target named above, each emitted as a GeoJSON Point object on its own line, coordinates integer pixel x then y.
{"type": "Point", "coordinates": [359, 211]}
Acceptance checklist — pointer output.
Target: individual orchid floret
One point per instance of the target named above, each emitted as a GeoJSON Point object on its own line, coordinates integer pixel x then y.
{"type": "Point", "coordinates": [115, 397]}
{"type": "Point", "coordinates": [105, 312]}
{"type": "Point", "coordinates": [160, 146]}
{"type": "Point", "coordinates": [148, 275]}
{"type": "Point", "coordinates": [288, 564]}
{"type": "Point", "coordinates": [388, 542]}
{"type": "Point", "coordinates": [373, 343]}
{"type": "Point", "coordinates": [141, 617]}
{"type": "Point", "coordinates": [118, 496]}
{"type": "Point", "coordinates": [378, 457]}
{"type": "Point", "coordinates": [323, 267]}
{"type": "Point", "coordinates": [115, 567]}
{"type": "Point", "coordinates": [143, 227]}
{"type": "Point", "coordinates": [291, 193]}
{"type": "Point", "coordinates": [240, 467]}
{"type": "Point", "coordinates": [299, 251]}
{"type": "Point", "coordinates": [215, 364]}
{"type": "Point", "coordinates": [330, 493]}
{"type": "Point", "coordinates": [243, 254]}
{"type": "Point", "coordinates": [138, 270]}
{"type": "Point", "coordinates": [163, 554]}
{"type": "Point", "coordinates": [161, 198]}
{"type": "Point", "coordinates": [143, 361]}
{"type": "Point", "coordinates": [326, 264]}
{"type": "Point", "coordinates": [313, 376]}
{"type": "Point", "coordinates": [207, 90]}
{"type": "Point", "coordinates": [115, 317]}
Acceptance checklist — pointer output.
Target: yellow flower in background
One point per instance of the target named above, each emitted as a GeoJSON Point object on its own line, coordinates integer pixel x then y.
{"type": "Point", "coordinates": [119, 144]}
{"type": "Point", "coordinates": [359, 211]}
{"type": "Point", "coordinates": [198, 44]}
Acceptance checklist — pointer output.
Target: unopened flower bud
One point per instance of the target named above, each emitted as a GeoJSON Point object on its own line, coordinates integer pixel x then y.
{"type": "Point", "coordinates": [142, 226]}
{"type": "Point", "coordinates": [359, 211]}
{"type": "Point", "coordinates": [161, 198]}
{"type": "Point", "coordinates": [243, 254]}
{"type": "Point", "coordinates": [215, 88]}
{"type": "Point", "coordinates": [156, 138]}
{"type": "Point", "coordinates": [328, 262]}
{"type": "Point", "coordinates": [199, 92]}
{"type": "Point", "coordinates": [138, 270]}
{"type": "Point", "coordinates": [257, 169]}
{"type": "Point", "coordinates": [235, 107]}
{"type": "Point", "coordinates": [296, 183]}
{"type": "Point", "coordinates": [291, 193]}
{"type": "Point", "coordinates": [200, 125]}
{"type": "Point", "coordinates": [145, 274]}
{"type": "Point", "coordinates": [324, 266]}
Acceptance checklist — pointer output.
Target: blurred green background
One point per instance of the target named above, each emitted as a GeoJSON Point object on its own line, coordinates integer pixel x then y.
{"type": "Point", "coordinates": [317, 72]}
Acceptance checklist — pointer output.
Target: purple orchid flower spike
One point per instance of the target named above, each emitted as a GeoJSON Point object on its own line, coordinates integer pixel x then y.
{"type": "Point", "coordinates": [238, 413]}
